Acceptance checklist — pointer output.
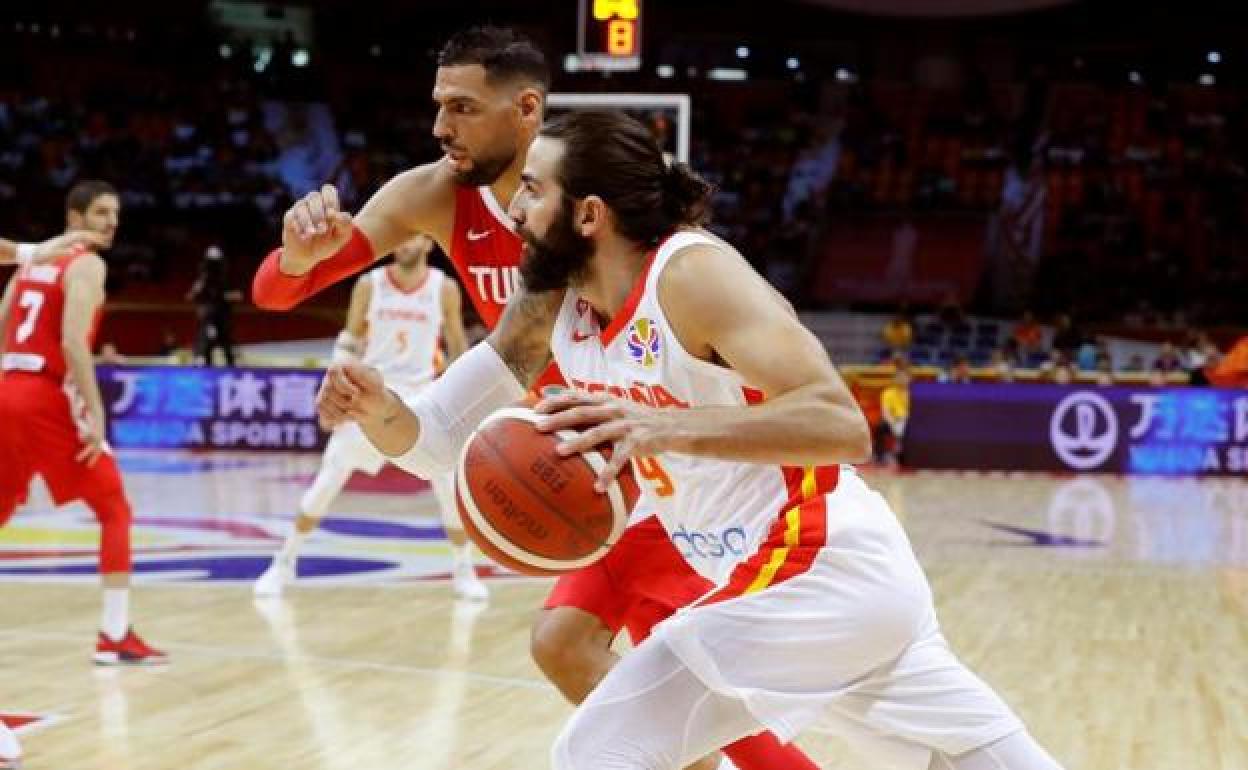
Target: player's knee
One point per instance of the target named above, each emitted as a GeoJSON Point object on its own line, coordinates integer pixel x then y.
{"type": "Point", "coordinates": [552, 647]}
{"type": "Point", "coordinates": [567, 643]}
{"type": "Point", "coordinates": [581, 746]}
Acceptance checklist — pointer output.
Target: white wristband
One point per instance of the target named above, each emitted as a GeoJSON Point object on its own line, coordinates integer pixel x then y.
{"type": "Point", "coordinates": [472, 388]}
{"type": "Point", "coordinates": [346, 348]}
{"type": "Point", "coordinates": [26, 253]}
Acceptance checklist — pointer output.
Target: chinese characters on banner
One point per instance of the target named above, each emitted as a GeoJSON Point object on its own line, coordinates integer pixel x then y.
{"type": "Point", "coordinates": [156, 406]}
{"type": "Point", "coordinates": [1188, 431]}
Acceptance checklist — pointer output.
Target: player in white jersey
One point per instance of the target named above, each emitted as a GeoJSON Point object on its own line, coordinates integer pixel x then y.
{"type": "Point", "coordinates": [739, 424]}
{"type": "Point", "coordinates": [398, 318]}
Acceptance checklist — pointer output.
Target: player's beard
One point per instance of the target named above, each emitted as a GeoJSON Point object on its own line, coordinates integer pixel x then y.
{"type": "Point", "coordinates": [557, 259]}
{"type": "Point", "coordinates": [485, 170]}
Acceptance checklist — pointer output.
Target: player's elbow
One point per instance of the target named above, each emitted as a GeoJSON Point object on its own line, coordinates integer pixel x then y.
{"type": "Point", "coordinates": [848, 438]}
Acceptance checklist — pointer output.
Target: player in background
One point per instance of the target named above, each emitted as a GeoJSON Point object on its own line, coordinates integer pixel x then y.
{"type": "Point", "coordinates": [490, 89]}
{"type": "Point", "coordinates": [397, 319]}
{"type": "Point", "coordinates": [51, 415]}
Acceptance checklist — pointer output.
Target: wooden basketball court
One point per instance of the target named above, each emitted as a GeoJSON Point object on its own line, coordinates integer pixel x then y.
{"type": "Point", "coordinates": [1111, 613]}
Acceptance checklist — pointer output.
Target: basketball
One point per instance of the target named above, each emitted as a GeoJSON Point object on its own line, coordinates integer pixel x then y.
{"type": "Point", "coordinates": [532, 510]}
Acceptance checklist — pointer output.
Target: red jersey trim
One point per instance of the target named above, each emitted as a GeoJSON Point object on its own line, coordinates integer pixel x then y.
{"type": "Point", "coordinates": [621, 319]}
{"type": "Point", "coordinates": [795, 539]}
{"type": "Point", "coordinates": [496, 208]}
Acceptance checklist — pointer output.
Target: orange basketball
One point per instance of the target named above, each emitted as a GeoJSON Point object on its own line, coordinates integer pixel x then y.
{"type": "Point", "coordinates": [528, 508]}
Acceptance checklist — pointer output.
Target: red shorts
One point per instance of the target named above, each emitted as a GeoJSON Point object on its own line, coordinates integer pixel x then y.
{"type": "Point", "coordinates": [38, 435]}
{"type": "Point", "coordinates": [641, 581]}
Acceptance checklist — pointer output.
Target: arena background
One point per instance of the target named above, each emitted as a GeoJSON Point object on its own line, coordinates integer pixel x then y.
{"type": "Point", "coordinates": [1028, 217]}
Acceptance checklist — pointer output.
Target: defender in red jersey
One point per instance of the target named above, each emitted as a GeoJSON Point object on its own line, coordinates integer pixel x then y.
{"type": "Point", "coordinates": [51, 414]}
{"type": "Point", "coordinates": [490, 89]}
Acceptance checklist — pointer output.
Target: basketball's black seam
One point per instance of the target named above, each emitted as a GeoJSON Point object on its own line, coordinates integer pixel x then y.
{"type": "Point", "coordinates": [519, 478]}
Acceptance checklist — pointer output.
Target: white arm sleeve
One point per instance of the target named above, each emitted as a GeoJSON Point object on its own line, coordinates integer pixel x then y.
{"type": "Point", "coordinates": [472, 388]}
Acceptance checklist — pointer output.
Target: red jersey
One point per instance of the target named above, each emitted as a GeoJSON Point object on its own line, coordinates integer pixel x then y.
{"type": "Point", "coordinates": [485, 250]}
{"type": "Point", "coordinates": [33, 331]}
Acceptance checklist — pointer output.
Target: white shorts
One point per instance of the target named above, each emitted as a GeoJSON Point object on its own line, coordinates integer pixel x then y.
{"type": "Point", "coordinates": [852, 641]}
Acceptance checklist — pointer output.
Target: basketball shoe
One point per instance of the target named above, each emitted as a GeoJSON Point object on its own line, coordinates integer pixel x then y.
{"type": "Point", "coordinates": [465, 583]}
{"type": "Point", "coordinates": [128, 650]}
{"type": "Point", "coordinates": [10, 749]}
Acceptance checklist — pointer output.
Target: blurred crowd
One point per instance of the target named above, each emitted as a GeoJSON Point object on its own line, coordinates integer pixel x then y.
{"type": "Point", "coordinates": [1134, 187]}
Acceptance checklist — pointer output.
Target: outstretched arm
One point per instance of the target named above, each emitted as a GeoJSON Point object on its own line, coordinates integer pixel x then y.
{"type": "Point", "coordinates": [425, 435]}
{"type": "Point", "coordinates": [12, 252]}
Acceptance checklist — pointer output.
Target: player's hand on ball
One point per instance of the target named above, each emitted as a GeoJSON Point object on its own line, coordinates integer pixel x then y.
{"type": "Point", "coordinates": [632, 430]}
{"type": "Point", "coordinates": [313, 230]}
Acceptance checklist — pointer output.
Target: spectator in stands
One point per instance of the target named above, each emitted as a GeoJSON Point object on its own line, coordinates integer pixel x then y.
{"type": "Point", "coordinates": [1104, 369]}
{"type": "Point", "coordinates": [1028, 335]}
{"type": "Point", "coordinates": [898, 333]}
{"type": "Point", "coordinates": [1199, 354]}
{"type": "Point", "coordinates": [1063, 373]}
{"type": "Point", "coordinates": [951, 313]}
{"type": "Point", "coordinates": [1135, 364]}
{"type": "Point", "coordinates": [1066, 337]}
{"type": "Point", "coordinates": [213, 299]}
{"type": "Point", "coordinates": [894, 412]}
{"type": "Point", "coordinates": [168, 343]}
{"type": "Point", "coordinates": [959, 373]}
{"type": "Point", "coordinates": [1168, 360]}
{"type": "Point", "coordinates": [1002, 366]}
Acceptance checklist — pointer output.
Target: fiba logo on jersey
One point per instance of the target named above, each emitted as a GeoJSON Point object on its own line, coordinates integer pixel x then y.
{"type": "Point", "coordinates": [644, 342]}
{"type": "Point", "coordinates": [1084, 430]}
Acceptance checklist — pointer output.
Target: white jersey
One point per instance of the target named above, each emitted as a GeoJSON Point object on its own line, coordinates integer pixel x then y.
{"type": "Point", "coordinates": [718, 512]}
{"type": "Point", "coordinates": [404, 329]}
{"type": "Point", "coordinates": [820, 609]}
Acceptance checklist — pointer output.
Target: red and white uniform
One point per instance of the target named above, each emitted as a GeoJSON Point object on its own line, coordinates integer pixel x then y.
{"type": "Point", "coordinates": [819, 605]}
{"type": "Point", "coordinates": [42, 414]}
{"type": "Point", "coordinates": [643, 579]}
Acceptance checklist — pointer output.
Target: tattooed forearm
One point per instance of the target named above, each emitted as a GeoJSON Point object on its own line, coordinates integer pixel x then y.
{"type": "Point", "coordinates": [522, 337]}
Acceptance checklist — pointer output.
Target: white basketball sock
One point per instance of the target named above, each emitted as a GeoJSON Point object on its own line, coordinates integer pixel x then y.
{"type": "Point", "coordinates": [292, 544]}
{"type": "Point", "coordinates": [115, 614]}
{"type": "Point", "coordinates": [462, 554]}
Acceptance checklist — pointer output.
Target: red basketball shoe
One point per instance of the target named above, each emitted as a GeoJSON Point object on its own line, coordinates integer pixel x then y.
{"type": "Point", "coordinates": [129, 650]}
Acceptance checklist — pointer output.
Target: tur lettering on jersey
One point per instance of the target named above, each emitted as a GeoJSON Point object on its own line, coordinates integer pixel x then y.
{"type": "Point", "coordinates": [485, 251]}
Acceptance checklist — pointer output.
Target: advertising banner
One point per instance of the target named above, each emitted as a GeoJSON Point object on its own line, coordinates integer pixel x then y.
{"type": "Point", "coordinates": [1183, 431]}
{"type": "Point", "coordinates": [205, 408]}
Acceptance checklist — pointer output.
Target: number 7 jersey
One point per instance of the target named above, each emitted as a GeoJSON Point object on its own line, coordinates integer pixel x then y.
{"type": "Point", "coordinates": [719, 512]}
{"type": "Point", "coordinates": [33, 328]}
